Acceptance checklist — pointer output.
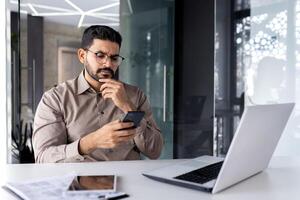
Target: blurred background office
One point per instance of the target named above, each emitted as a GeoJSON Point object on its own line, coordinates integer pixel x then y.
{"type": "Point", "coordinates": [199, 62]}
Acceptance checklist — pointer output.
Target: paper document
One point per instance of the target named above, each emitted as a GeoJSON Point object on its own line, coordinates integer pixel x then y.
{"type": "Point", "coordinates": [51, 189]}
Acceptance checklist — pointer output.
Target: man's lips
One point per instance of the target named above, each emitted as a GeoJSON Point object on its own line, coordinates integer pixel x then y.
{"type": "Point", "coordinates": [106, 73]}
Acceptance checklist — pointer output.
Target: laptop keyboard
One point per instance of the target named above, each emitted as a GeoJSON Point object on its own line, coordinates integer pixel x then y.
{"type": "Point", "coordinates": [203, 174]}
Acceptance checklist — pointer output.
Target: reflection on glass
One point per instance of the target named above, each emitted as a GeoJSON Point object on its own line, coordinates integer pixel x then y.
{"type": "Point", "coordinates": [261, 62]}
{"type": "Point", "coordinates": [269, 58]}
{"type": "Point", "coordinates": [92, 183]}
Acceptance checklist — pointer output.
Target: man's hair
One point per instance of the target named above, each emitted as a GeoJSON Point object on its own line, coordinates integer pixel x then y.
{"type": "Point", "coordinates": [99, 32]}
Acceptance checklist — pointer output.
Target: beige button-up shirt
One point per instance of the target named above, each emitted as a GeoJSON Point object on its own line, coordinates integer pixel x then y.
{"type": "Point", "coordinates": [73, 109]}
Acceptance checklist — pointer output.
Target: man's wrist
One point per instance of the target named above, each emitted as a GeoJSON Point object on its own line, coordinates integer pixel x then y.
{"type": "Point", "coordinates": [128, 107]}
{"type": "Point", "coordinates": [85, 145]}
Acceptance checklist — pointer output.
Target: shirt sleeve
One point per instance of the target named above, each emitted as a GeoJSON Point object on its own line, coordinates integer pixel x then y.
{"type": "Point", "coordinates": [149, 139]}
{"type": "Point", "coordinates": [50, 143]}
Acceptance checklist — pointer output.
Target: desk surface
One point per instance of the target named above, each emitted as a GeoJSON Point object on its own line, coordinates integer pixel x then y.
{"type": "Point", "coordinates": [280, 181]}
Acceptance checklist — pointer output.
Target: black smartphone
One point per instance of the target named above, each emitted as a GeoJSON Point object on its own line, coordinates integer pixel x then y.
{"type": "Point", "coordinates": [133, 116]}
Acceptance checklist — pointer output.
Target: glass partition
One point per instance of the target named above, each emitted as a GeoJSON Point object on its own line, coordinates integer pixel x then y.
{"type": "Point", "coordinates": [271, 55]}
{"type": "Point", "coordinates": [259, 65]}
{"type": "Point", "coordinates": [46, 34]}
{"type": "Point", "coordinates": [148, 32]}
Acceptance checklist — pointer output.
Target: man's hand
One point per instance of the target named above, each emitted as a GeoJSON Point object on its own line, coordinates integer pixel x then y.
{"type": "Point", "coordinates": [108, 136]}
{"type": "Point", "coordinates": [115, 90]}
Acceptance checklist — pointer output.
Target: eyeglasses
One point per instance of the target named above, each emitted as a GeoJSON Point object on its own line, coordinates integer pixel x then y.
{"type": "Point", "coordinates": [101, 57]}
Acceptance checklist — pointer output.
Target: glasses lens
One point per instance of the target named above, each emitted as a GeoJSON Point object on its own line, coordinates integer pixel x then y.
{"type": "Point", "coordinates": [102, 57]}
{"type": "Point", "coordinates": [116, 60]}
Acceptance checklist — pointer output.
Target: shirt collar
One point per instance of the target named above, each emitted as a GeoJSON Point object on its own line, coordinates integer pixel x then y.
{"type": "Point", "coordinates": [82, 84]}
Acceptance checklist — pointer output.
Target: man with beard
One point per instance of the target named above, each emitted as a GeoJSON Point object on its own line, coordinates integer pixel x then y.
{"type": "Point", "coordinates": [79, 120]}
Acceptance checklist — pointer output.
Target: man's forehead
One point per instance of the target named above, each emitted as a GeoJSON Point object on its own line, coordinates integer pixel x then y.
{"type": "Point", "coordinates": [99, 42]}
{"type": "Point", "coordinates": [105, 46]}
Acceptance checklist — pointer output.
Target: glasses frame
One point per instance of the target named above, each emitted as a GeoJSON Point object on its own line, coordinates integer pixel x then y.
{"type": "Point", "coordinates": [106, 56]}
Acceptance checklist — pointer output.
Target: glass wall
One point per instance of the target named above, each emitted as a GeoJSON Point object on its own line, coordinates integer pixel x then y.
{"type": "Point", "coordinates": [257, 62]}
{"type": "Point", "coordinates": [45, 36]}
{"type": "Point", "coordinates": [228, 78]}
{"type": "Point", "coordinates": [272, 62]}
{"type": "Point", "coordinates": [148, 33]}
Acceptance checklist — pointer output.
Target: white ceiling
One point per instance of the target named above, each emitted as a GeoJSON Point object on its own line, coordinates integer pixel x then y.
{"type": "Point", "coordinates": [80, 13]}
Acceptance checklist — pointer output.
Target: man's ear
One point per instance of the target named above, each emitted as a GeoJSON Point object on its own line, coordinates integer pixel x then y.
{"type": "Point", "coordinates": [81, 53]}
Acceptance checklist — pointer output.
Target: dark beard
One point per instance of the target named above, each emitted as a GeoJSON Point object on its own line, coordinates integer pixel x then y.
{"type": "Point", "coordinates": [108, 73]}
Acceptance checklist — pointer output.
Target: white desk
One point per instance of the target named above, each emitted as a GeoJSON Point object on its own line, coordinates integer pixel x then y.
{"type": "Point", "coordinates": [280, 181]}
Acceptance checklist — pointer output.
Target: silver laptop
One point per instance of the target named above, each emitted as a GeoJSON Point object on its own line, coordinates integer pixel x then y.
{"type": "Point", "coordinates": [250, 152]}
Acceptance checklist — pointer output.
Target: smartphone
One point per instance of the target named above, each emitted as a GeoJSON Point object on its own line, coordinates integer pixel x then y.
{"type": "Point", "coordinates": [133, 116]}
{"type": "Point", "coordinates": [94, 184]}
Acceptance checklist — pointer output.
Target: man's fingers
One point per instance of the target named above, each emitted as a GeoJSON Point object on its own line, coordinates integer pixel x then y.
{"type": "Point", "coordinates": [115, 85]}
{"type": "Point", "coordinates": [122, 136]}
{"type": "Point", "coordinates": [108, 80]}
{"type": "Point", "coordinates": [107, 91]}
{"type": "Point", "coordinates": [127, 137]}
{"type": "Point", "coordinates": [108, 95]}
{"type": "Point", "coordinates": [122, 125]}
{"type": "Point", "coordinates": [126, 133]}
{"type": "Point", "coordinates": [113, 124]}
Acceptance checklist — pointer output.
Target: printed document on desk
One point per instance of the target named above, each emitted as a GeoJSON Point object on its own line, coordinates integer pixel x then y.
{"type": "Point", "coordinates": [45, 188]}
{"type": "Point", "coordinates": [51, 188]}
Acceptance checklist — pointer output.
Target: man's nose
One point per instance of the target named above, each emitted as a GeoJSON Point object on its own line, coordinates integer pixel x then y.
{"type": "Point", "coordinates": [107, 61]}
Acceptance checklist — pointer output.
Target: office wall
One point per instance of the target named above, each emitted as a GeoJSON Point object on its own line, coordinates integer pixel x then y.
{"type": "Point", "coordinates": [56, 35]}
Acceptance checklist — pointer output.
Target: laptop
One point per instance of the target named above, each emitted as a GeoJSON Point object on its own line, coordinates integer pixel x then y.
{"type": "Point", "coordinates": [249, 153]}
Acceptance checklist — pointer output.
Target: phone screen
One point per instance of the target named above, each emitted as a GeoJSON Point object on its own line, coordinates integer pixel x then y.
{"type": "Point", "coordinates": [95, 183]}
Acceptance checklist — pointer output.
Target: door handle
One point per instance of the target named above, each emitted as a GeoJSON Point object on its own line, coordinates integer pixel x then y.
{"type": "Point", "coordinates": [165, 94]}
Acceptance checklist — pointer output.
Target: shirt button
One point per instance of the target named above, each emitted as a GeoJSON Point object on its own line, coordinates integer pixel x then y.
{"type": "Point", "coordinates": [109, 150]}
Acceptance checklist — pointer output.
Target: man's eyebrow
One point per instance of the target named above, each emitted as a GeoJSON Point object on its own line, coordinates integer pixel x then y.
{"type": "Point", "coordinates": [99, 51]}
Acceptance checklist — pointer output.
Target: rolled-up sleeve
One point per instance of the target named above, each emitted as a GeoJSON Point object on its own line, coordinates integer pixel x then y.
{"type": "Point", "coordinates": [148, 140]}
{"type": "Point", "coordinates": [50, 140]}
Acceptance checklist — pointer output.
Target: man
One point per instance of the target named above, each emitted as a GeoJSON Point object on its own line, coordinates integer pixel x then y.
{"type": "Point", "coordinates": [79, 120]}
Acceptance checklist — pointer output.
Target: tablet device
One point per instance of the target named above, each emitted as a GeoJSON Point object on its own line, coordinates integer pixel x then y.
{"type": "Point", "coordinates": [92, 184]}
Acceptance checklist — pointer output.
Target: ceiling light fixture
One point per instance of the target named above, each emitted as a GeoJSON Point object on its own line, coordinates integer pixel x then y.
{"type": "Point", "coordinates": [57, 11]}
{"type": "Point", "coordinates": [129, 6]}
{"type": "Point", "coordinates": [32, 8]}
